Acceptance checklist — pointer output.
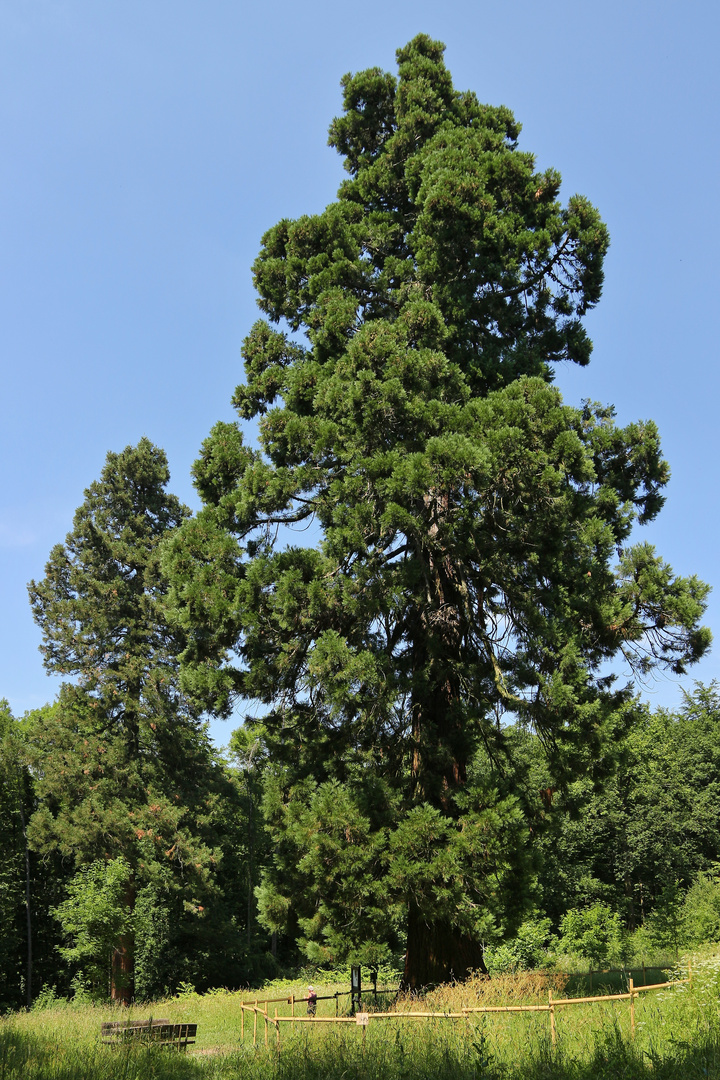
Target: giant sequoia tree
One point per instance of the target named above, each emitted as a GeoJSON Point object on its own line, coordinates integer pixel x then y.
{"type": "Point", "coordinates": [122, 764]}
{"type": "Point", "coordinates": [466, 548]}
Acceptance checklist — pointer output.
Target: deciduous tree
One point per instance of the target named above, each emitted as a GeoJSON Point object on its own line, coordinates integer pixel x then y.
{"type": "Point", "coordinates": [95, 916]}
{"type": "Point", "coordinates": [648, 828]}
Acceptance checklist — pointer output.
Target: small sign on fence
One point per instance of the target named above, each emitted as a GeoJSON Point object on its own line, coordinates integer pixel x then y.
{"type": "Point", "coordinates": [362, 1018]}
{"type": "Point", "coordinates": [355, 989]}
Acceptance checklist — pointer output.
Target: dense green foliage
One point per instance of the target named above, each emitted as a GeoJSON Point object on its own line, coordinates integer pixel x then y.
{"type": "Point", "coordinates": [14, 807]}
{"type": "Point", "coordinates": [96, 915]}
{"type": "Point", "coordinates": [421, 576]}
{"type": "Point", "coordinates": [122, 765]}
{"type": "Point", "coordinates": [469, 559]}
{"type": "Point", "coordinates": [30, 884]}
{"type": "Point", "coordinates": [525, 951]}
{"type": "Point", "coordinates": [593, 933]}
{"type": "Point", "coordinates": [636, 836]}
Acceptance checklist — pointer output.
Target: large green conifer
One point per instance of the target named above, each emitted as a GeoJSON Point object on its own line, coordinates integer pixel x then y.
{"type": "Point", "coordinates": [471, 556]}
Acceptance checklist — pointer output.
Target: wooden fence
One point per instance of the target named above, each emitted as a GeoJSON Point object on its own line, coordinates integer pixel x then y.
{"type": "Point", "coordinates": [363, 1019]}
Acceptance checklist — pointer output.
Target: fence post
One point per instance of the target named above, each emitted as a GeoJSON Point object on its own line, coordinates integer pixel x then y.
{"type": "Point", "coordinates": [266, 1025]}
{"type": "Point", "coordinates": [277, 1030]}
{"type": "Point", "coordinates": [242, 1021]}
{"type": "Point", "coordinates": [255, 1012]}
{"type": "Point", "coordinates": [552, 1017]}
{"type": "Point", "coordinates": [336, 1002]}
{"type": "Point", "coordinates": [632, 1009]}
{"type": "Point", "coordinates": [644, 975]}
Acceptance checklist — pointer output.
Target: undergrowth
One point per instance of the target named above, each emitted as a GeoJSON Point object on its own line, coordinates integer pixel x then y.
{"type": "Point", "coordinates": [678, 1037]}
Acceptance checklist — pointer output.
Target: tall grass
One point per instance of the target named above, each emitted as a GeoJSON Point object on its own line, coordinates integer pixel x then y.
{"type": "Point", "coordinates": [678, 1036]}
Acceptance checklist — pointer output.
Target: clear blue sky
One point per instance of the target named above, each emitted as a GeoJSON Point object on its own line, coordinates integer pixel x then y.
{"type": "Point", "coordinates": [146, 146]}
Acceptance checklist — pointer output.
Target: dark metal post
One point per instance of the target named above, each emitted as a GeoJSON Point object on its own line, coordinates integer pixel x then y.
{"type": "Point", "coordinates": [355, 989]}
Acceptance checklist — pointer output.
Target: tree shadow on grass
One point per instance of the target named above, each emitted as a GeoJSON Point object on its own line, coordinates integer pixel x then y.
{"type": "Point", "coordinates": [28, 1056]}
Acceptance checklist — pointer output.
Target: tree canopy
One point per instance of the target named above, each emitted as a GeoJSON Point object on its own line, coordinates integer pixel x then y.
{"type": "Point", "coordinates": [652, 823]}
{"type": "Point", "coordinates": [472, 562]}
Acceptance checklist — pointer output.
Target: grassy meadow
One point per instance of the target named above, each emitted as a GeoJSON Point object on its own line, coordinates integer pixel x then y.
{"type": "Point", "coordinates": [678, 1036]}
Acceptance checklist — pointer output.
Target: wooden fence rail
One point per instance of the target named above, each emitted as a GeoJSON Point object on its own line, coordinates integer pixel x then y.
{"type": "Point", "coordinates": [362, 1019]}
{"type": "Point", "coordinates": [291, 999]}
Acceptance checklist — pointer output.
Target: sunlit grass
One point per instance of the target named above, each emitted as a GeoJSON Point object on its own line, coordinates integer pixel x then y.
{"type": "Point", "coordinates": [678, 1036]}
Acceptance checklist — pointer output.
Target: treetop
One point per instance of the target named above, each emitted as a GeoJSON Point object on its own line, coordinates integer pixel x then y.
{"type": "Point", "coordinates": [444, 225]}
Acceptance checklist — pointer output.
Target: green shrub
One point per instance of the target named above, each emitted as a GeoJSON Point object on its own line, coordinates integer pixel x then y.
{"type": "Point", "coordinates": [528, 949]}
{"type": "Point", "coordinates": [665, 928]}
{"type": "Point", "coordinates": [701, 911]}
{"type": "Point", "coordinates": [594, 933]}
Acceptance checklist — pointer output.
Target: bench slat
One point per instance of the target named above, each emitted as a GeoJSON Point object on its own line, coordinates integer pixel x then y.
{"type": "Point", "coordinates": [132, 1025]}
{"type": "Point", "coordinates": [161, 1032]}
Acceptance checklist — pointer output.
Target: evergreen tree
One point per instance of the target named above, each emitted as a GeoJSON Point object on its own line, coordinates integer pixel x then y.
{"type": "Point", "coordinates": [122, 762]}
{"type": "Point", "coordinates": [472, 557]}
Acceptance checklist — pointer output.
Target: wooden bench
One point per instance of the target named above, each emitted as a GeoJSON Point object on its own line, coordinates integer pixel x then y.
{"type": "Point", "coordinates": [158, 1032]}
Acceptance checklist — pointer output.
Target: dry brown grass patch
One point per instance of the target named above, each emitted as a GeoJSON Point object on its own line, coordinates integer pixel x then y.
{"type": "Point", "coordinates": [523, 988]}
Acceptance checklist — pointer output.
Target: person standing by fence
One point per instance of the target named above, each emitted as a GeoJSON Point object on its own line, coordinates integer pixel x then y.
{"type": "Point", "coordinates": [312, 1001]}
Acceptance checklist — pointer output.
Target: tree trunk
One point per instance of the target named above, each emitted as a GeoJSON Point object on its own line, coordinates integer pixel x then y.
{"type": "Point", "coordinates": [437, 952]}
{"type": "Point", "coordinates": [122, 988]}
{"type": "Point", "coordinates": [122, 976]}
{"type": "Point", "coordinates": [122, 969]}
{"type": "Point", "coordinates": [441, 747]}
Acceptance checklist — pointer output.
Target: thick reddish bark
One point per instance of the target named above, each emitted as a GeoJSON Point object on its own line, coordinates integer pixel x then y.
{"type": "Point", "coordinates": [438, 953]}
{"type": "Point", "coordinates": [122, 977]}
{"type": "Point", "coordinates": [122, 988]}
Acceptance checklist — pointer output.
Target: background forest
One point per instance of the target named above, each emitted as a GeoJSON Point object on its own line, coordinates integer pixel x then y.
{"type": "Point", "coordinates": [442, 773]}
{"type": "Point", "coordinates": [633, 859]}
